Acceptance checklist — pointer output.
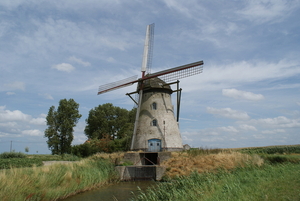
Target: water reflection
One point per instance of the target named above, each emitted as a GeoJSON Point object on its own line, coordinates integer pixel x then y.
{"type": "Point", "coordinates": [117, 192]}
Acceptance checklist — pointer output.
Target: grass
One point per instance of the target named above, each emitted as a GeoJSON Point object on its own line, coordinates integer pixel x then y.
{"type": "Point", "coordinates": [295, 149]}
{"type": "Point", "coordinates": [270, 173]}
{"type": "Point", "coordinates": [54, 181]}
{"type": "Point", "coordinates": [269, 182]}
{"type": "Point", "coordinates": [184, 163]}
{"type": "Point", "coordinates": [19, 160]}
{"type": "Point", "coordinates": [197, 174]}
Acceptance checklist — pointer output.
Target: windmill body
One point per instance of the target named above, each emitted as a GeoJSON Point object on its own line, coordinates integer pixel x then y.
{"type": "Point", "coordinates": [156, 128]}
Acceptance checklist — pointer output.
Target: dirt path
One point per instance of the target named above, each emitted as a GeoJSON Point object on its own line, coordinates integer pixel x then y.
{"type": "Point", "coordinates": [46, 163]}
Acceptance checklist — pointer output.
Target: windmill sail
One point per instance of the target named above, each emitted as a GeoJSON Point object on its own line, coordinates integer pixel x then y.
{"type": "Point", "coordinates": [156, 127]}
{"type": "Point", "coordinates": [179, 72]}
{"type": "Point", "coordinates": [148, 48]}
{"type": "Point", "coordinates": [117, 85]}
{"type": "Point", "coordinates": [166, 75]}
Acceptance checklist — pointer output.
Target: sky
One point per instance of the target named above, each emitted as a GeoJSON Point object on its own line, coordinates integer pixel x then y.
{"type": "Point", "coordinates": [248, 94]}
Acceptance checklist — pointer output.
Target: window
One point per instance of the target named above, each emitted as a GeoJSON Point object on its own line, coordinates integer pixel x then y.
{"type": "Point", "coordinates": [154, 106]}
{"type": "Point", "coordinates": [154, 122]}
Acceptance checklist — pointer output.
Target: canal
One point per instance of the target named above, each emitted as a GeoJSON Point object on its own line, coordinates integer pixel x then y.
{"type": "Point", "coordinates": [121, 191]}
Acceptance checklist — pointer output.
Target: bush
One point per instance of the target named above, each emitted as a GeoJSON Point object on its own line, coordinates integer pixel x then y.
{"type": "Point", "coordinates": [273, 159]}
{"type": "Point", "coordinates": [19, 163]}
{"type": "Point", "coordinates": [6, 155]}
{"type": "Point", "coordinates": [100, 145]}
{"type": "Point", "coordinates": [83, 150]}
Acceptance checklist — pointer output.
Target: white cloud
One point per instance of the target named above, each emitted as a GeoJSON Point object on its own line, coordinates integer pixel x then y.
{"type": "Point", "coordinates": [248, 127]}
{"type": "Point", "coordinates": [15, 86]}
{"type": "Point", "coordinates": [237, 94]}
{"type": "Point", "coordinates": [79, 61]}
{"type": "Point", "coordinates": [16, 115]}
{"type": "Point", "coordinates": [280, 121]}
{"type": "Point", "coordinates": [10, 93]}
{"type": "Point", "coordinates": [47, 96]}
{"type": "Point", "coordinates": [34, 132]}
{"type": "Point", "coordinates": [228, 113]}
{"type": "Point", "coordinates": [180, 7]}
{"type": "Point", "coordinates": [8, 124]}
{"type": "Point", "coordinates": [186, 119]}
{"type": "Point", "coordinates": [230, 129]}
{"type": "Point", "coordinates": [64, 67]}
{"type": "Point", "coordinates": [298, 103]}
{"type": "Point", "coordinates": [11, 117]}
{"type": "Point", "coordinates": [38, 121]}
{"type": "Point", "coordinates": [273, 131]}
{"type": "Point", "coordinates": [110, 60]}
{"type": "Point", "coordinates": [239, 73]}
{"type": "Point", "coordinates": [262, 11]}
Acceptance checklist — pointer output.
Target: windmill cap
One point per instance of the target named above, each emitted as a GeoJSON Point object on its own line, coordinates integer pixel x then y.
{"type": "Point", "coordinates": [156, 85]}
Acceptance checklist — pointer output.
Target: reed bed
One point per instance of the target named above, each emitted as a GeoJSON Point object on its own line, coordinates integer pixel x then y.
{"type": "Point", "coordinates": [269, 182]}
{"type": "Point", "coordinates": [184, 163]}
{"type": "Point", "coordinates": [54, 181]}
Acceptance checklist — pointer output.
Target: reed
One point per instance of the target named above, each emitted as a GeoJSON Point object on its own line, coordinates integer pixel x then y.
{"type": "Point", "coordinates": [269, 182]}
{"type": "Point", "coordinates": [54, 181]}
{"type": "Point", "coordinates": [184, 163]}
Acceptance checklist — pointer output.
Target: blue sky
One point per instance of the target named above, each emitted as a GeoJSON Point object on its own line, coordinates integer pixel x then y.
{"type": "Point", "coordinates": [247, 95]}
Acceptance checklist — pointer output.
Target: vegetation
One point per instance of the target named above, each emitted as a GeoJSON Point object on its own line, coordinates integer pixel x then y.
{"type": "Point", "coordinates": [108, 121]}
{"type": "Point", "coordinates": [184, 163]}
{"type": "Point", "coordinates": [216, 174]}
{"type": "Point", "coordinates": [280, 182]}
{"type": "Point", "coordinates": [272, 150]}
{"type": "Point", "coordinates": [106, 145]}
{"type": "Point", "coordinates": [19, 163]}
{"type": "Point", "coordinates": [6, 155]}
{"type": "Point", "coordinates": [197, 174]}
{"type": "Point", "coordinates": [60, 124]}
{"type": "Point", "coordinates": [10, 160]}
{"type": "Point", "coordinates": [55, 181]}
{"type": "Point", "coordinates": [109, 129]}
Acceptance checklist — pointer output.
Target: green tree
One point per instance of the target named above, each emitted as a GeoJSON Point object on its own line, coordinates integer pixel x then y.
{"type": "Point", "coordinates": [109, 120]}
{"type": "Point", "coordinates": [60, 124]}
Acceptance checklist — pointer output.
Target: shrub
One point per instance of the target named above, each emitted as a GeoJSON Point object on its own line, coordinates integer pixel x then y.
{"type": "Point", "coordinates": [273, 159]}
{"type": "Point", "coordinates": [12, 155]}
{"type": "Point", "coordinates": [19, 163]}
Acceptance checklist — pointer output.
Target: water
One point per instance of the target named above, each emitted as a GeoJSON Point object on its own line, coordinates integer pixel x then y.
{"type": "Point", "coordinates": [117, 192]}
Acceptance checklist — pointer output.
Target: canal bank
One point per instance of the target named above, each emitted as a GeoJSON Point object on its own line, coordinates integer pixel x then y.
{"type": "Point", "coordinates": [146, 166]}
{"type": "Point", "coordinates": [121, 191]}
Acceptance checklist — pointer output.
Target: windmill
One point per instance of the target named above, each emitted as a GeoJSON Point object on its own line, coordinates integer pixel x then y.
{"type": "Point", "coordinates": [156, 127]}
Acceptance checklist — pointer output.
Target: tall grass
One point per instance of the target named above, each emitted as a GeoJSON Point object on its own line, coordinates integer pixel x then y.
{"type": "Point", "coordinates": [184, 163]}
{"type": "Point", "coordinates": [280, 182]}
{"type": "Point", "coordinates": [54, 181]}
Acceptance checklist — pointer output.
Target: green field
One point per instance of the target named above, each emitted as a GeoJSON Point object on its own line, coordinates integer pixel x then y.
{"type": "Point", "coordinates": [262, 173]}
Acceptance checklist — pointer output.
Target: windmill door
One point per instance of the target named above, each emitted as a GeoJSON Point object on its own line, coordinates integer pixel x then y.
{"type": "Point", "coordinates": [154, 145]}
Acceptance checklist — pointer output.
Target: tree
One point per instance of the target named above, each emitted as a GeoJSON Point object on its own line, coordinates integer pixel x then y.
{"type": "Point", "coordinates": [109, 120]}
{"type": "Point", "coordinates": [60, 124]}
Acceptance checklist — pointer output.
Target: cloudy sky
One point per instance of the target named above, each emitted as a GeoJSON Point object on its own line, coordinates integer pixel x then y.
{"type": "Point", "coordinates": [247, 95]}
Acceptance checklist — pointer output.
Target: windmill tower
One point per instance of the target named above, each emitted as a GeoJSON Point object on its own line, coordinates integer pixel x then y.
{"type": "Point", "coordinates": [156, 127]}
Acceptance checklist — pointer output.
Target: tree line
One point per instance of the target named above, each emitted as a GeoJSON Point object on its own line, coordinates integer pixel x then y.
{"type": "Point", "coordinates": [108, 129]}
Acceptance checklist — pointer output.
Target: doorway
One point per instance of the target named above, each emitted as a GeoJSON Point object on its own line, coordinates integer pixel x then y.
{"type": "Point", "coordinates": [154, 145]}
